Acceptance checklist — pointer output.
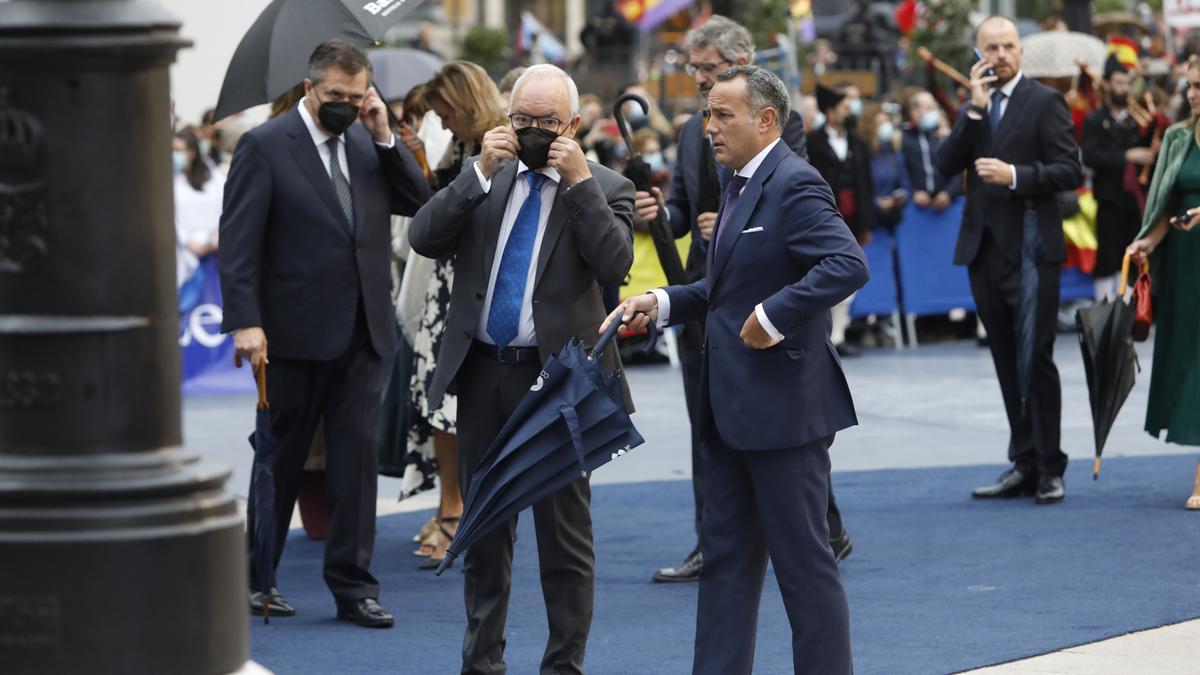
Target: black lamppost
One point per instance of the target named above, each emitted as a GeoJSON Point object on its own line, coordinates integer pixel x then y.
{"type": "Point", "coordinates": [120, 552]}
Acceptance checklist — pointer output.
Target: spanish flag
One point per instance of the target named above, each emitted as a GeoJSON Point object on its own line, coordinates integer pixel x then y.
{"type": "Point", "coordinates": [1126, 49]}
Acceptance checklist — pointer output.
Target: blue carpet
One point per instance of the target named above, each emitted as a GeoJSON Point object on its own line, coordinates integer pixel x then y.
{"type": "Point", "coordinates": [937, 582]}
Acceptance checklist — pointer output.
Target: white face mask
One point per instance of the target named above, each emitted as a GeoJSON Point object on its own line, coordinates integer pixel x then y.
{"type": "Point", "coordinates": [180, 160]}
{"type": "Point", "coordinates": [930, 120]}
{"type": "Point", "coordinates": [818, 121]}
{"type": "Point", "coordinates": [654, 160]}
{"type": "Point", "coordinates": [856, 107]}
{"type": "Point", "coordinates": [885, 132]}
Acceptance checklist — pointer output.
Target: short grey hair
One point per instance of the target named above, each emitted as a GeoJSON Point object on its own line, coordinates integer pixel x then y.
{"type": "Point", "coordinates": [730, 38]}
{"type": "Point", "coordinates": [544, 69]}
{"type": "Point", "coordinates": [764, 89]}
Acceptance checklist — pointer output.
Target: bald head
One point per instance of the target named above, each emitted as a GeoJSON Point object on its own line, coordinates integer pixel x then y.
{"type": "Point", "coordinates": [997, 38]}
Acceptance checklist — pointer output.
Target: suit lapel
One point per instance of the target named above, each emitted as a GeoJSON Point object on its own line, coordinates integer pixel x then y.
{"type": "Point", "coordinates": [305, 153]}
{"type": "Point", "coordinates": [554, 228]}
{"type": "Point", "coordinates": [356, 160]}
{"type": "Point", "coordinates": [493, 217]}
{"type": "Point", "coordinates": [732, 229]}
{"type": "Point", "coordinates": [1015, 103]}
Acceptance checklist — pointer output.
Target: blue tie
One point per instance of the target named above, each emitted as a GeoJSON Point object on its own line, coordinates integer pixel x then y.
{"type": "Point", "coordinates": [504, 317]}
{"type": "Point", "coordinates": [994, 114]}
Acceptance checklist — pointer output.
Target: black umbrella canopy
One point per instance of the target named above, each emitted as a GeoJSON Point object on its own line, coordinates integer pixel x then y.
{"type": "Point", "coordinates": [273, 55]}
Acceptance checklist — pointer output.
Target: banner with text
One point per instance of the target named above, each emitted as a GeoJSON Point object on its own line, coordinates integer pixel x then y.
{"type": "Point", "coordinates": [207, 352]}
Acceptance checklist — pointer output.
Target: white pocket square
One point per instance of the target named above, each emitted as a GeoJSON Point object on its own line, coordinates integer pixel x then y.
{"type": "Point", "coordinates": [752, 230]}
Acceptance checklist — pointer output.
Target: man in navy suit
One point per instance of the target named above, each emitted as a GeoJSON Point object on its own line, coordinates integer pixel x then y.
{"type": "Point", "coordinates": [772, 392]}
{"type": "Point", "coordinates": [306, 264]}
{"type": "Point", "coordinates": [691, 206]}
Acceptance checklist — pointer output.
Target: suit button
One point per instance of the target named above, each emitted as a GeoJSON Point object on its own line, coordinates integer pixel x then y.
{"type": "Point", "coordinates": [479, 296]}
{"type": "Point", "coordinates": [467, 333]}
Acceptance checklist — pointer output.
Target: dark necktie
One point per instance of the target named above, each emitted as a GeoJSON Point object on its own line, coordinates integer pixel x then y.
{"type": "Point", "coordinates": [340, 185]}
{"type": "Point", "coordinates": [995, 113]}
{"type": "Point", "coordinates": [504, 316]}
{"type": "Point", "coordinates": [733, 192]}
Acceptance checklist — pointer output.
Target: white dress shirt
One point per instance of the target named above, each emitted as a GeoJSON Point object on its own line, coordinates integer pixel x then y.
{"type": "Point", "coordinates": [838, 142]}
{"type": "Point", "coordinates": [526, 333]}
{"type": "Point", "coordinates": [664, 300]}
{"type": "Point", "coordinates": [321, 139]}
{"type": "Point", "coordinates": [1008, 89]}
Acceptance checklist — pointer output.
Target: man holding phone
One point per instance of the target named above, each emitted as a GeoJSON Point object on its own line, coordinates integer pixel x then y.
{"type": "Point", "coordinates": [1016, 143]}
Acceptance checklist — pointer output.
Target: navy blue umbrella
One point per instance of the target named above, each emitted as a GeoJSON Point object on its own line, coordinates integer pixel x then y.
{"type": "Point", "coordinates": [1026, 319]}
{"type": "Point", "coordinates": [262, 495]}
{"type": "Point", "coordinates": [571, 422]}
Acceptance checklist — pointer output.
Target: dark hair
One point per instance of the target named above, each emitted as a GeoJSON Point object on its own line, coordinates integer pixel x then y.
{"type": "Point", "coordinates": [196, 172]}
{"type": "Point", "coordinates": [337, 54]}
{"type": "Point", "coordinates": [764, 89]}
{"type": "Point", "coordinates": [415, 105]}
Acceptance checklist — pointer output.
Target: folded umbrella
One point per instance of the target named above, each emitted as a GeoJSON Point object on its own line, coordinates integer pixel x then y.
{"type": "Point", "coordinates": [262, 495]}
{"type": "Point", "coordinates": [1109, 359]}
{"type": "Point", "coordinates": [1026, 319]}
{"type": "Point", "coordinates": [571, 422]}
{"type": "Point", "coordinates": [273, 55]}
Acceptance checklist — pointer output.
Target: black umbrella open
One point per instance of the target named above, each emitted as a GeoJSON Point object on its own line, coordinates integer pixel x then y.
{"type": "Point", "coordinates": [571, 422]}
{"type": "Point", "coordinates": [273, 55]}
{"type": "Point", "coordinates": [1109, 360]}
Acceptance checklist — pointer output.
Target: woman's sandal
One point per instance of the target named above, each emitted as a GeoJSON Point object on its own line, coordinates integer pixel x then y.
{"type": "Point", "coordinates": [1193, 502]}
{"type": "Point", "coordinates": [427, 529]}
{"type": "Point", "coordinates": [446, 536]}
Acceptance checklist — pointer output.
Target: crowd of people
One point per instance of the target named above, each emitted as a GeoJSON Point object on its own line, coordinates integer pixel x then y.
{"type": "Point", "coordinates": [404, 312]}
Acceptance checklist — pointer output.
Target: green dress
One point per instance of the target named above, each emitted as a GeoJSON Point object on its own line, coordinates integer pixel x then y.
{"type": "Point", "coordinates": [1174, 402]}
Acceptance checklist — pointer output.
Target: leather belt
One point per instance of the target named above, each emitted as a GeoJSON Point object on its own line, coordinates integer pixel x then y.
{"type": "Point", "coordinates": [510, 355]}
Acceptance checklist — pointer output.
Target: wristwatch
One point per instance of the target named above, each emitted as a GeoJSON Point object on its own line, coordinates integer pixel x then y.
{"type": "Point", "coordinates": [972, 108]}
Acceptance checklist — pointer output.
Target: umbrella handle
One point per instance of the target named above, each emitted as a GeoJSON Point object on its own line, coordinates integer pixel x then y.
{"type": "Point", "coordinates": [1143, 266]}
{"type": "Point", "coordinates": [619, 116]}
{"type": "Point", "coordinates": [611, 334]}
{"type": "Point", "coordinates": [260, 377]}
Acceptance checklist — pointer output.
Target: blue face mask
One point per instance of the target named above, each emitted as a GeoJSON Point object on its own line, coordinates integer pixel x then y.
{"type": "Point", "coordinates": [885, 132]}
{"type": "Point", "coordinates": [856, 107]}
{"type": "Point", "coordinates": [179, 160]}
{"type": "Point", "coordinates": [818, 121]}
{"type": "Point", "coordinates": [654, 160]}
{"type": "Point", "coordinates": [930, 120]}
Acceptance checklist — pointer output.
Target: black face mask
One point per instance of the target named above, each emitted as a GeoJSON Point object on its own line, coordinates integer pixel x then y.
{"type": "Point", "coordinates": [337, 116]}
{"type": "Point", "coordinates": [535, 146]}
{"type": "Point", "coordinates": [1120, 101]}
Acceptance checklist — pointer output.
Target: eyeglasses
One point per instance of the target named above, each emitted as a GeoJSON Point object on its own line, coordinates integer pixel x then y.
{"type": "Point", "coordinates": [521, 121]}
{"type": "Point", "coordinates": [708, 69]}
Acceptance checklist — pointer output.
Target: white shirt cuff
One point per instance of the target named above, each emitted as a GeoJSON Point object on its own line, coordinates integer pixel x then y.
{"type": "Point", "coordinates": [485, 184]}
{"type": "Point", "coordinates": [664, 306]}
{"type": "Point", "coordinates": [766, 323]}
{"type": "Point", "coordinates": [1013, 184]}
{"type": "Point", "coordinates": [389, 145]}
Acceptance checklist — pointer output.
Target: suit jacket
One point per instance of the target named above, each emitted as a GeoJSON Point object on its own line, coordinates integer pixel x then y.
{"type": "Point", "coordinates": [688, 182]}
{"type": "Point", "coordinates": [588, 244]}
{"type": "Point", "coordinates": [290, 261]}
{"type": "Point", "coordinates": [914, 161]}
{"type": "Point", "coordinates": [1105, 140]}
{"type": "Point", "coordinates": [852, 174]}
{"type": "Point", "coordinates": [1037, 137]}
{"type": "Point", "coordinates": [801, 263]}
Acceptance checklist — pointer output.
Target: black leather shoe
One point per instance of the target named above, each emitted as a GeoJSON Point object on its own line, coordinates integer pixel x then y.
{"type": "Point", "coordinates": [276, 603]}
{"type": "Point", "coordinates": [841, 545]}
{"type": "Point", "coordinates": [1051, 490]}
{"type": "Point", "coordinates": [689, 570]}
{"type": "Point", "coordinates": [1012, 483]}
{"type": "Point", "coordinates": [366, 612]}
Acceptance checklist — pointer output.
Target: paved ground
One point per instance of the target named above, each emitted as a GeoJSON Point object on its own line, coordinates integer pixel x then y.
{"type": "Point", "coordinates": [937, 405]}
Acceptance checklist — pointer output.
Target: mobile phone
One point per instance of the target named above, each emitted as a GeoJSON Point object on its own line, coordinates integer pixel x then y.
{"type": "Point", "coordinates": [991, 72]}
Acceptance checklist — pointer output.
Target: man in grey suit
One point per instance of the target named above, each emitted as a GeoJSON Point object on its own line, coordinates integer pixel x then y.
{"type": "Point", "coordinates": [536, 230]}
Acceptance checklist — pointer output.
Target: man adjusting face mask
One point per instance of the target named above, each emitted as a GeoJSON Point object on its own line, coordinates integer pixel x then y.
{"type": "Point", "coordinates": [535, 146]}
{"type": "Point", "coordinates": [337, 116]}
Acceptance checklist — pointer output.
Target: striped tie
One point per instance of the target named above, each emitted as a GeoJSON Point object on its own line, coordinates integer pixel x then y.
{"type": "Point", "coordinates": [340, 185]}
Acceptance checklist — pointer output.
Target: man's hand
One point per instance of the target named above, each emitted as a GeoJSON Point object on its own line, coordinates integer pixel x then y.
{"type": "Point", "coordinates": [706, 222]}
{"type": "Point", "coordinates": [941, 201]}
{"type": "Point", "coordinates": [981, 84]}
{"type": "Point", "coordinates": [1140, 156]}
{"type": "Point", "coordinates": [994, 171]}
{"type": "Point", "coordinates": [886, 203]}
{"type": "Point", "coordinates": [499, 144]}
{"type": "Point", "coordinates": [646, 206]}
{"type": "Point", "coordinates": [567, 158]}
{"type": "Point", "coordinates": [636, 312]}
{"type": "Point", "coordinates": [922, 199]}
{"type": "Point", "coordinates": [373, 115]}
{"type": "Point", "coordinates": [251, 344]}
{"type": "Point", "coordinates": [755, 336]}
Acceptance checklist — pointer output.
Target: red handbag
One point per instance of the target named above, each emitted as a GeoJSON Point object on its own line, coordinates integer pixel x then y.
{"type": "Point", "coordinates": [1143, 312]}
{"type": "Point", "coordinates": [847, 200]}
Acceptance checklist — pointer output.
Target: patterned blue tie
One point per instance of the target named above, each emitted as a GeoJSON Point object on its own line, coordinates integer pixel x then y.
{"type": "Point", "coordinates": [504, 317]}
{"type": "Point", "coordinates": [995, 113]}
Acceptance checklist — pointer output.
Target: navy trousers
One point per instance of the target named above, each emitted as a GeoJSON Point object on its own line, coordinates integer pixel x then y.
{"type": "Point", "coordinates": [760, 506]}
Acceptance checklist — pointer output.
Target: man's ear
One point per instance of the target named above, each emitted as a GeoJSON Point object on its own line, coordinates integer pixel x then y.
{"type": "Point", "coordinates": [767, 119]}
